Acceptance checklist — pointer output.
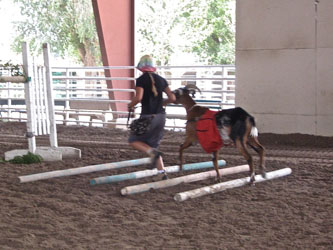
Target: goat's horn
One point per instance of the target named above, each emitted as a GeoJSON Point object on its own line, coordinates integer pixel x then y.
{"type": "Point", "coordinates": [192, 86]}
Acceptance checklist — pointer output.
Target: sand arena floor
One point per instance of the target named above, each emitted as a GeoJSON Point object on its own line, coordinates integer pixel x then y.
{"type": "Point", "coordinates": [294, 212]}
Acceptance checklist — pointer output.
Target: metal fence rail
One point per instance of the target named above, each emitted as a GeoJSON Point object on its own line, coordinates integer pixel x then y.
{"type": "Point", "coordinates": [81, 95]}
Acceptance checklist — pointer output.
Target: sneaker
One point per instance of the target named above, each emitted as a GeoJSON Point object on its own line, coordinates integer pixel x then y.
{"type": "Point", "coordinates": [165, 177]}
{"type": "Point", "coordinates": [158, 177]}
{"type": "Point", "coordinates": [154, 157]}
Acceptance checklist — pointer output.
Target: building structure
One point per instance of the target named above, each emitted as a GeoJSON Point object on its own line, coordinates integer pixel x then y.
{"type": "Point", "coordinates": [284, 66]}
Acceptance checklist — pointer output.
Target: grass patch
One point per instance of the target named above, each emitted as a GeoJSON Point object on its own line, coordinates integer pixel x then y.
{"type": "Point", "coordinates": [29, 158]}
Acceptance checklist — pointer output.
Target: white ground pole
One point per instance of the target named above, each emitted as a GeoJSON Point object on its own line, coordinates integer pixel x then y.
{"type": "Point", "coordinates": [229, 184]}
{"type": "Point", "coordinates": [83, 170]}
{"type": "Point", "coordinates": [152, 172]}
{"type": "Point", "coordinates": [182, 179]}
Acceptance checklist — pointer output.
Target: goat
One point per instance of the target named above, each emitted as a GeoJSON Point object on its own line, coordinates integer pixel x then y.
{"type": "Point", "coordinates": [235, 124]}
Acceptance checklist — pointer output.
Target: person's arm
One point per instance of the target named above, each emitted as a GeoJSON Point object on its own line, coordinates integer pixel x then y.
{"type": "Point", "coordinates": [137, 98]}
{"type": "Point", "coordinates": [171, 96]}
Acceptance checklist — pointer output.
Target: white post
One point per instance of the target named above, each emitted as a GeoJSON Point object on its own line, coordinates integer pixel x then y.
{"type": "Point", "coordinates": [29, 102]}
{"type": "Point", "coordinates": [38, 107]}
{"type": "Point", "coordinates": [67, 107]}
{"type": "Point", "coordinates": [9, 111]}
{"type": "Point", "coordinates": [45, 102]}
{"type": "Point", "coordinates": [182, 179]}
{"type": "Point", "coordinates": [229, 184]}
{"type": "Point", "coordinates": [50, 99]}
{"type": "Point", "coordinates": [222, 86]}
{"type": "Point", "coordinates": [42, 100]}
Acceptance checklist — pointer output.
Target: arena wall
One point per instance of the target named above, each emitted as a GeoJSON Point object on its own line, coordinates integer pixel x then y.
{"type": "Point", "coordinates": [284, 65]}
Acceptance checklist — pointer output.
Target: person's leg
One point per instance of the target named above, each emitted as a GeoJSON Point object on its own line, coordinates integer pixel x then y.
{"type": "Point", "coordinates": [160, 168]}
{"type": "Point", "coordinates": [149, 143]}
{"type": "Point", "coordinates": [160, 163]}
{"type": "Point", "coordinates": [156, 135]}
{"type": "Point", "coordinates": [143, 147]}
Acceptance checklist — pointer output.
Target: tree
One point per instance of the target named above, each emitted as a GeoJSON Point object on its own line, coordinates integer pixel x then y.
{"type": "Point", "coordinates": [165, 27]}
{"type": "Point", "coordinates": [67, 25]}
{"type": "Point", "coordinates": [206, 28]}
{"type": "Point", "coordinates": [213, 26]}
{"type": "Point", "coordinates": [156, 21]}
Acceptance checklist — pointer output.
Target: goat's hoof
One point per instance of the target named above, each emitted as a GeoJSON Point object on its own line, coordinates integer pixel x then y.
{"type": "Point", "coordinates": [252, 180]}
{"type": "Point", "coordinates": [218, 180]}
{"type": "Point", "coordinates": [263, 174]}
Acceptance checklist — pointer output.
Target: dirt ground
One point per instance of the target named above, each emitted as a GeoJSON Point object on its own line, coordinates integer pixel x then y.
{"type": "Point", "coordinates": [293, 212]}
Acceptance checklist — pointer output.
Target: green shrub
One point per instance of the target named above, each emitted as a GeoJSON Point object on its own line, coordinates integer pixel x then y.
{"type": "Point", "coordinates": [29, 158]}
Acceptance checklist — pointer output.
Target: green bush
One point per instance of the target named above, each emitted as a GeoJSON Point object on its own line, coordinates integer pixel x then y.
{"type": "Point", "coordinates": [29, 158]}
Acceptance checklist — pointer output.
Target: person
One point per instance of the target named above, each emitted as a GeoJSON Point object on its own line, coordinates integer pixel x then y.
{"type": "Point", "coordinates": [149, 92]}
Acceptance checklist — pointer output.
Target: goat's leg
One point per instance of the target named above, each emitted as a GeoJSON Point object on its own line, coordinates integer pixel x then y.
{"type": "Point", "coordinates": [243, 149]}
{"type": "Point", "coordinates": [185, 145]}
{"type": "Point", "coordinates": [216, 166]}
{"type": "Point", "coordinates": [255, 144]}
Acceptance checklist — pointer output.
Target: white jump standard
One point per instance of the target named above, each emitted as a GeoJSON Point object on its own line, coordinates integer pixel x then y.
{"type": "Point", "coordinates": [229, 184]}
{"type": "Point", "coordinates": [39, 101]}
{"type": "Point", "coordinates": [84, 170]}
{"type": "Point", "coordinates": [182, 179]}
{"type": "Point", "coordinates": [152, 172]}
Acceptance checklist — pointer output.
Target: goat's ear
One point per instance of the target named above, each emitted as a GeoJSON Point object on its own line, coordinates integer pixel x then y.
{"type": "Point", "coordinates": [176, 92]}
{"type": "Point", "coordinates": [191, 92]}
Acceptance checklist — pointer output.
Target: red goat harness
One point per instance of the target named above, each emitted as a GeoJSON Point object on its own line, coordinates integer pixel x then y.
{"type": "Point", "coordinates": [207, 132]}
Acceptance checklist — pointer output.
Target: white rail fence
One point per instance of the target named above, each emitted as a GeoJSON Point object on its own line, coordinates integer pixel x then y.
{"type": "Point", "coordinates": [81, 95]}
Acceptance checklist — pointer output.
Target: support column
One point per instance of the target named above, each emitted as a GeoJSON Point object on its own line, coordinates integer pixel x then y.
{"type": "Point", "coordinates": [115, 28]}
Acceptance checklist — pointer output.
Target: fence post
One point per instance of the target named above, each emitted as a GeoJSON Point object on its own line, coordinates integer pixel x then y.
{"type": "Point", "coordinates": [29, 101]}
{"type": "Point", "coordinates": [67, 106]}
{"type": "Point", "coordinates": [50, 99]}
{"type": "Point", "coordinates": [9, 103]}
{"type": "Point", "coordinates": [224, 86]}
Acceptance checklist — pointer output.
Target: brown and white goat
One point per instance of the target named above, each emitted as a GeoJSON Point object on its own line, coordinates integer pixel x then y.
{"type": "Point", "coordinates": [235, 124]}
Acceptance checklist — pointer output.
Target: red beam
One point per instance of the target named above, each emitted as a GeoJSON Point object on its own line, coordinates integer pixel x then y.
{"type": "Point", "coordinates": [115, 28]}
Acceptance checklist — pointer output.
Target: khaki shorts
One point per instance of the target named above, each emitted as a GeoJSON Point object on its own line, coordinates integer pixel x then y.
{"type": "Point", "coordinates": [154, 134]}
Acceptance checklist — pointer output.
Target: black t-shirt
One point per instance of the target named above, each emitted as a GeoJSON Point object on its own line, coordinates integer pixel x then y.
{"type": "Point", "coordinates": [152, 104]}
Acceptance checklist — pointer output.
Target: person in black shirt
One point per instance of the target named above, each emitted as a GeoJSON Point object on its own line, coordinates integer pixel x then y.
{"type": "Point", "coordinates": [149, 91]}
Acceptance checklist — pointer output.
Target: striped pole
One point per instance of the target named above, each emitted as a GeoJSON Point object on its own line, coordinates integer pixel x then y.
{"type": "Point", "coordinates": [83, 170]}
{"type": "Point", "coordinates": [229, 184]}
{"type": "Point", "coordinates": [13, 79]}
{"type": "Point", "coordinates": [182, 179]}
{"type": "Point", "coordinates": [152, 172]}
